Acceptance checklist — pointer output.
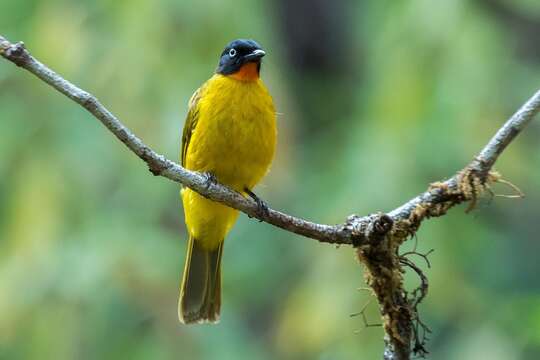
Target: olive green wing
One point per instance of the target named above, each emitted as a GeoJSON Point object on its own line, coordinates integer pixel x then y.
{"type": "Point", "coordinates": [191, 122]}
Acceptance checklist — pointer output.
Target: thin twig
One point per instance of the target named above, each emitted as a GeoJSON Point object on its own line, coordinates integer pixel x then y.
{"type": "Point", "coordinates": [485, 160]}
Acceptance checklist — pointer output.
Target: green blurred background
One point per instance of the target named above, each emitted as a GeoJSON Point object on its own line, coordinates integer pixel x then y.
{"type": "Point", "coordinates": [376, 100]}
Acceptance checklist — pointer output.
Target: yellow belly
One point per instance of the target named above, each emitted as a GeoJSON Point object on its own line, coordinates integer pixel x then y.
{"type": "Point", "coordinates": [235, 140]}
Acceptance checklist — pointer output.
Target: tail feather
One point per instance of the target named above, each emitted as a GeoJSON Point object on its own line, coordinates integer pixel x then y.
{"type": "Point", "coordinates": [200, 292]}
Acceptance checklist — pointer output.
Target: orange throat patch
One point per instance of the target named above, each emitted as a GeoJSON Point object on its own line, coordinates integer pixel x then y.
{"type": "Point", "coordinates": [248, 72]}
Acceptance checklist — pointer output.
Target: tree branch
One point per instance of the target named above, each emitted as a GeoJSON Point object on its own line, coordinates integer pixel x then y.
{"type": "Point", "coordinates": [158, 164]}
{"type": "Point", "coordinates": [376, 237]}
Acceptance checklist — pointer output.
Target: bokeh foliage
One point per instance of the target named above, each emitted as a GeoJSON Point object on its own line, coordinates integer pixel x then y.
{"type": "Point", "coordinates": [92, 246]}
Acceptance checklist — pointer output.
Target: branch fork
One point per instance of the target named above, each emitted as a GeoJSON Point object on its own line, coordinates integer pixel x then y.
{"type": "Point", "coordinates": [376, 237]}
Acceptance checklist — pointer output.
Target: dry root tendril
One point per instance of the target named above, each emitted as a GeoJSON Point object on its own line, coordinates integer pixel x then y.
{"type": "Point", "coordinates": [385, 266]}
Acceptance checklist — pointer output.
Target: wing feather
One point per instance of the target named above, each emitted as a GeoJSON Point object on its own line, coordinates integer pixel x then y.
{"type": "Point", "coordinates": [191, 122]}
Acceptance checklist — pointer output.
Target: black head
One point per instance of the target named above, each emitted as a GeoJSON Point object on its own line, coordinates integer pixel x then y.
{"type": "Point", "coordinates": [238, 53]}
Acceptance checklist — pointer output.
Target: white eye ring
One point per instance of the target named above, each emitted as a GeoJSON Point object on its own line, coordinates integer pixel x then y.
{"type": "Point", "coordinates": [232, 52]}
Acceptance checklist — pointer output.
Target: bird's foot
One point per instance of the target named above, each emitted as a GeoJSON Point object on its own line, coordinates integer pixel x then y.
{"type": "Point", "coordinates": [262, 206]}
{"type": "Point", "coordinates": [209, 179]}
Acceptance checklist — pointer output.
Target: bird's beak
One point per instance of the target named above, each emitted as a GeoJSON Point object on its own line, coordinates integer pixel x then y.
{"type": "Point", "coordinates": [254, 55]}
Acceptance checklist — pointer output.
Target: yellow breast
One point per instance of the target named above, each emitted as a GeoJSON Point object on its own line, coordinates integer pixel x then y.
{"type": "Point", "coordinates": [235, 135]}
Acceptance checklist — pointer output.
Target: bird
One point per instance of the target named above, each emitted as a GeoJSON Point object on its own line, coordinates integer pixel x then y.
{"type": "Point", "coordinates": [230, 136]}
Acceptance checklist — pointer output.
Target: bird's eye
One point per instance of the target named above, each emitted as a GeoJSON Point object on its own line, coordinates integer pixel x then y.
{"type": "Point", "coordinates": [232, 52]}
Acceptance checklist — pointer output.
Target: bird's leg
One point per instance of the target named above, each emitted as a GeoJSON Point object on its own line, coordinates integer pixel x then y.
{"type": "Point", "coordinates": [262, 206]}
{"type": "Point", "coordinates": [209, 179]}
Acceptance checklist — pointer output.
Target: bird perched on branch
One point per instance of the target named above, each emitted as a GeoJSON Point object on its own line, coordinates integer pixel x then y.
{"type": "Point", "coordinates": [230, 135]}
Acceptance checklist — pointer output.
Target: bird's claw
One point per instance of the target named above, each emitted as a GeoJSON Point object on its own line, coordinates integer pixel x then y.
{"type": "Point", "coordinates": [209, 179]}
{"type": "Point", "coordinates": [262, 206]}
